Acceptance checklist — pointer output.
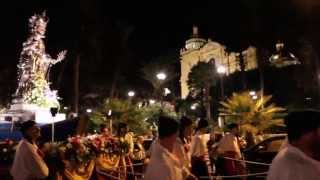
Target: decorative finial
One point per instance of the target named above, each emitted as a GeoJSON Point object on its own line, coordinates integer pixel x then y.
{"type": "Point", "coordinates": [279, 45]}
{"type": "Point", "coordinates": [195, 31]}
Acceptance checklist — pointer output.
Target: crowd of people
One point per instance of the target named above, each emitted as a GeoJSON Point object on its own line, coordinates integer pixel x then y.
{"type": "Point", "coordinates": [184, 152]}
{"type": "Point", "coordinates": [187, 150]}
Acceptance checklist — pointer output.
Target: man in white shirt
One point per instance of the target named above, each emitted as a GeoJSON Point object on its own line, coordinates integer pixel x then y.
{"type": "Point", "coordinates": [300, 158]}
{"type": "Point", "coordinates": [230, 143]}
{"type": "Point", "coordinates": [28, 164]}
{"type": "Point", "coordinates": [178, 152]}
{"type": "Point", "coordinates": [200, 161]}
{"type": "Point", "coordinates": [164, 164]}
{"type": "Point", "coordinates": [229, 147]}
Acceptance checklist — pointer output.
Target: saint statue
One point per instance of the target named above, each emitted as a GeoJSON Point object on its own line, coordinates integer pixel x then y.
{"type": "Point", "coordinates": [34, 65]}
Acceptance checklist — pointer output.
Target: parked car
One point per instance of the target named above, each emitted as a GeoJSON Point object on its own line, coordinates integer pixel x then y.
{"type": "Point", "coordinates": [263, 152]}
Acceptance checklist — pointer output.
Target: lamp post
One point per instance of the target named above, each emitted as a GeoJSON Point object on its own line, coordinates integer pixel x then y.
{"type": "Point", "coordinates": [167, 91]}
{"type": "Point", "coordinates": [161, 76]}
{"type": "Point", "coordinates": [53, 111]}
{"type": "Point", "coordinates": [193, 107]}
{"type": "Point", "coordinates": [131, 94]}
{"type": "Point", "coordinates": [109, 115]}
{"type": "Point", "coordinates": [221, 71]}
{"type": "Point", "coordinates": [252, 93]}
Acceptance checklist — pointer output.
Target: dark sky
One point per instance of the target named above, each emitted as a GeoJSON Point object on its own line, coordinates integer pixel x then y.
{"type": "Point", "coordinates": [156, 28]}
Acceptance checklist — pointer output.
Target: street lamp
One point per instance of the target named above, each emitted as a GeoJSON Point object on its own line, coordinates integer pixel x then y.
{"type": "Point", "coordinates": [254, 97]}
{"type": "Point", "coordinates": [109, 115]}
{"type": "Point", "coordinates": [221, 71]}
{"type": "Point", "coordinates": [161, 76]}
{"type": "Point", "coordinates": [131, 93]}
{"type": "Point", "coordinates": [166, 91]}
{"type": "Point", "coordinates": [89, 110]}
{"type": "Point", "coordinates": [193, 107]}
{"type": "Point", "coordinates": [152, 101]}
{"type": "Point", "coordinates": [308, 98]}
{"type": "Point", "coordinates": [252, 93]}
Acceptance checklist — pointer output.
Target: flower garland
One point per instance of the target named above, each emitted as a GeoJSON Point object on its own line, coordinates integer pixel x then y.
{"type": "Point", "coordinates": [81, 150]}
{"type": "Point", "coordinates": [77, 156]}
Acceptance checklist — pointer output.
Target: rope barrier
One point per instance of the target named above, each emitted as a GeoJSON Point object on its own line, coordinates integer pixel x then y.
{"type": "Point", "coordinates": [105, 174]}
{"type": "Point", "coordinates": [233, 176]}
{"type": "Point", "coordinates": [117, 171]}
{"type": "Point", "coordinates": [137, 164]}
{"type": "Point", "coordinates": [249, 162]}
{"type": "Point", "coordinates": [202, 177]}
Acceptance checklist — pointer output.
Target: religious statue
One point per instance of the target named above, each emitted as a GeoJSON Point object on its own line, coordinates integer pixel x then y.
{"type": "Point", "coordinates": [34, 66]}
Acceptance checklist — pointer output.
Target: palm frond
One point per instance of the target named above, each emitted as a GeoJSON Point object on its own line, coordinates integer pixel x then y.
{"type": "Point", "coordinates": [251, 114]}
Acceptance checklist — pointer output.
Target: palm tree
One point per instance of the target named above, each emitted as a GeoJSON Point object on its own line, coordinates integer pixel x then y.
{"type": "Point", "coordinates": [252, 113]}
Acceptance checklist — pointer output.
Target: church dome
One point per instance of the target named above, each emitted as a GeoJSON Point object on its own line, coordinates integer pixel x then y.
{"type": "Point", "coordinates": [195, 42]}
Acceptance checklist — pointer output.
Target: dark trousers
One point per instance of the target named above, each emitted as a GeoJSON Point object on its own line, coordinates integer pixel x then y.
{"type": "Point", "coordinates": [199, 167]}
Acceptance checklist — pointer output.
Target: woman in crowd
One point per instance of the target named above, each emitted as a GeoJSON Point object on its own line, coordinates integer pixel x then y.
{"type": "Point", "coordinates": [28, 163]}
{"type": "Point", "coordinates": [200, 161]}
{"type": "Point", "coordinates": [125, 136]}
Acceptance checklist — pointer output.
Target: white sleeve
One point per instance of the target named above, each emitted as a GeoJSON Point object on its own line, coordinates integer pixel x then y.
{"type": "Point", "coordinates": [36, 165]}
{"type": "Point", "coordinates": [282, 171]}
{"type": "Point", "coordinates": [195, 145]}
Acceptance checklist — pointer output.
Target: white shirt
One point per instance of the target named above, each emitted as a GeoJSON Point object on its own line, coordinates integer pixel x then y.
{"type": "Point", "coordinates": [179, 152]}
{"type": "Point", "coordinates": [292, 164]}
{"type": "Point", "coordinates": [27, 163]}
{"type": "Point", "coordinates": [229, 142]}
{"type": "Point", "coordinates": [163, 165]}
{"type": "Point", "coordinates": [199, 145]}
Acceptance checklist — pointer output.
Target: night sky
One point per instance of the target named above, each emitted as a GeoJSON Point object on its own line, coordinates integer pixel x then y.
{"type": "Point", "coordinates": [96, 28]}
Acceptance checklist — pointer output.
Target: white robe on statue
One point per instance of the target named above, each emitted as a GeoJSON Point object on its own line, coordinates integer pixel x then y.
{"type": "Point", "coordinates": [293, 164]}
{"type": "Point", "coordinates": [163, 165]}
{"type": "Point", "coordinates": [27, 163]}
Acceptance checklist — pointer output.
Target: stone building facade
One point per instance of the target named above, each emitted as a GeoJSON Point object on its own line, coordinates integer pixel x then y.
{"type": "Point", "coordinates": [198, 49]}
